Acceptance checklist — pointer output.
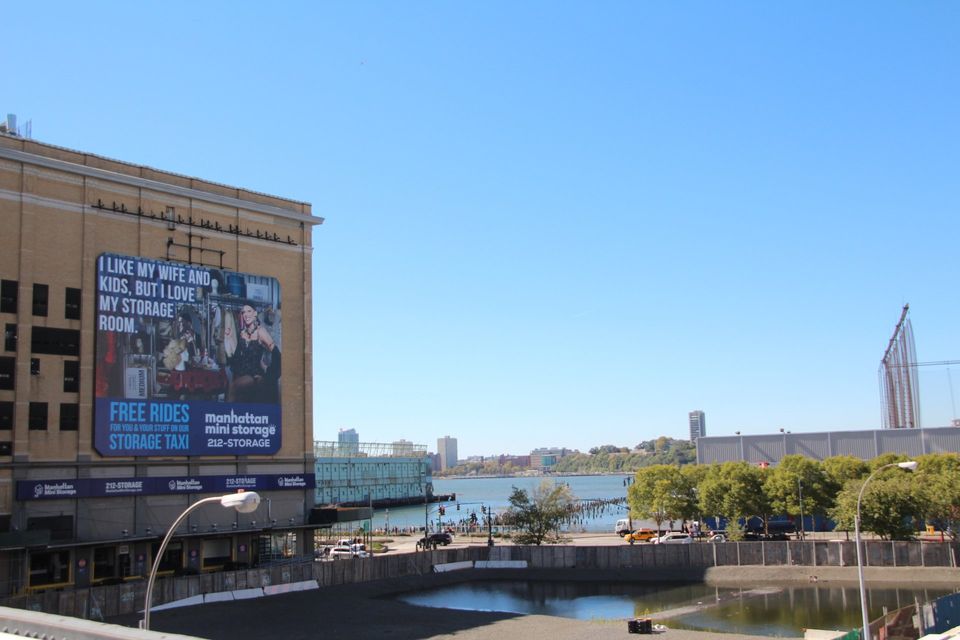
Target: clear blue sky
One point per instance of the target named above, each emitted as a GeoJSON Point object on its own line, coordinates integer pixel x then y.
{"type": "Point", "coordinates": [557, 223]}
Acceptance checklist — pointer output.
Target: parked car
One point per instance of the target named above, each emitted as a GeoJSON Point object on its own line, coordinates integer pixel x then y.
{"type": "Point", "coordinates": [674, 537]}
{"type": "Point", "coordinates": [640, 535]}
{"type": "Point", "coordinates": [354, 550]}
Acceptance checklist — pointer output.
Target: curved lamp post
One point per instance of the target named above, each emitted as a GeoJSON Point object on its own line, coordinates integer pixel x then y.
{"type": "Point", "coordinates": [910, 465]}
{"type": "Point", "coordinates": [242, 501]}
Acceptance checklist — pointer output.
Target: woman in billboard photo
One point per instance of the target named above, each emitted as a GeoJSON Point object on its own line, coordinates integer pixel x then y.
{"type": "Point", "coordinates": [255, 363]}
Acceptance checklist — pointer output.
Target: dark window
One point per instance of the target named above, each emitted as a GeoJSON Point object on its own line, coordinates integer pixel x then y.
{"type": "Point", "coordinates": [71, 309]}
{"type": "Point", "coordinates": [37, 419]}
{"type": "Point", "coordinates": [69, 416]}
{"type": "Point", "coordinates": [60, 527]}
{"type": "Point", "coordinates": [10, 338]}
{"type": "Point", "coordinates": [49, 567]}
{"type": "Point", "coordinates": [104, 563]}
{"type": "Point", "coordinates": [8, 296]}
{"type": "Point", "coordinates": [6, 448]}
{"type": "Point", "coordinates": [6, 416]}
{"type": "Point", "coordinates": [71, 376]}
{"type": "Point", "coordinates": [41, 292]}
{"type": "Point", "coordinates": [55, 342]}
{"type": "Point", "coordinates": [34, 366]}
{"type": "Point", "coordinates": [7, 373]}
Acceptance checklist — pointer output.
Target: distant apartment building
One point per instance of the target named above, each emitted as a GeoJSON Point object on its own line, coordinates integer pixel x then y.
{"type": "Point", "coordinates": [518, 461]}
{"type": "Point", "coordinates": [698, 425]}
{"type": "Point", "coordinates": [447, 449]}
{"type": "Point", "coordinates": [348, 440]}
{"type": "Point", "coordinates": [402, 447]}
{"type": "Point", "coordinates": [546, 457]}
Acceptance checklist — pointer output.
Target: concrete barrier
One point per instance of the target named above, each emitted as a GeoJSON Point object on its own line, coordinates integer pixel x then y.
{"type": "Point", "coordinates": [102, 602]}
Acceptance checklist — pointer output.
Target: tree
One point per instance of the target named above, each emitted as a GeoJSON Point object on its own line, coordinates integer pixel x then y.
{"type": "Point", "coordinates": [888, 505]}
{"type": "Point", "coordinates": [538, 516]}
{"type": "Point", "coordinates": [841, 469]}
{"type": "Point", "coordinates": [938, 479]}
{"type": "Point", "coordinates": [659, 493]}
{"type": "Point", "coordinates": [797, 475]}
{"type": "Point", "coordinates": [733, 490]}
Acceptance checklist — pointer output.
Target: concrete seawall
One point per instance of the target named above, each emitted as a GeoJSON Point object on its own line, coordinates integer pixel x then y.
{"type": "Point", "coordinates": [757, 562]}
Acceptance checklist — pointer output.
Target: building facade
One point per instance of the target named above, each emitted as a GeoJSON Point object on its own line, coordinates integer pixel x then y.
{"type": "Point", "coordinates": [374, 474]}
{"type": "Point", "coordinates": [698, 425]}
{"type": "Point", "coordinates": [349, 440]}
{"type": "Point", "coordinates": [157, 350]}
{"type": "Point", "coordinates": [866, 445]}
{"type": "Point", "coordinates": [546, 458]}
{"type": "Point", "coordinates": [447, 450]}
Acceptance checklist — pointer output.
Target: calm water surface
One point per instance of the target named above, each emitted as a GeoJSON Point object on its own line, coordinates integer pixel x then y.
{"type": "Point", "coordinates": [769, 611]}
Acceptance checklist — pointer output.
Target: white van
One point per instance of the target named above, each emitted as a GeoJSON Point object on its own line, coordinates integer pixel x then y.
{"type": "Point", "coordinates": [622, 527]}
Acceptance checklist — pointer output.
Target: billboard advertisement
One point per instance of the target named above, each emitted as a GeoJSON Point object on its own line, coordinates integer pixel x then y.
{"type": "Point", "coordinates": [188, 360]}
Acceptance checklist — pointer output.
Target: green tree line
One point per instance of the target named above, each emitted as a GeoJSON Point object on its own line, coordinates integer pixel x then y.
{"type": "Point", "coordinates": [894, 505]}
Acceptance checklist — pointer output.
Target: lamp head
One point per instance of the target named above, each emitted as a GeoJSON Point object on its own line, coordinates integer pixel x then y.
{"type": "Point", "coordinates": [909, 465]}
{"type": "Point", "coordinates": [242, 501]}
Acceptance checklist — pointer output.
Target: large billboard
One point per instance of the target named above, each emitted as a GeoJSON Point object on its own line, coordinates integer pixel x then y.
{"type": "Point", "coordinates": [188, 360]}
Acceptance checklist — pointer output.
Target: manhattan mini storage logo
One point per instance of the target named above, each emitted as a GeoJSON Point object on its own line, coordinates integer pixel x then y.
{"type": "Point", "coordinates": [292, 482]}
{"type": "Point", "coordinates": [60, 489]}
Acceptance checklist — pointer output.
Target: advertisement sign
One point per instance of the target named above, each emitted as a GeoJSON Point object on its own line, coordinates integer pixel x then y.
{"type": "Point", "coordinates": [188, 360]}
{"type": "Point", "coordinates": [118, 487]}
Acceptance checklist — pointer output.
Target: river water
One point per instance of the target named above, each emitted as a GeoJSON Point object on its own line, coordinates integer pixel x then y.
{"type": "Point", "coordinates": [495, 492]}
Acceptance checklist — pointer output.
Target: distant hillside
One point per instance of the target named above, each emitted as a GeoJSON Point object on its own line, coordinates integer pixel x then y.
{"type": "Point", "coordinates": [609, 458]}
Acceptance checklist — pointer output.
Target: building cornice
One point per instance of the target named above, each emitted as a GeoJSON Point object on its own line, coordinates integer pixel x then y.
{"type": "Point", "coordinates": [155, 185]}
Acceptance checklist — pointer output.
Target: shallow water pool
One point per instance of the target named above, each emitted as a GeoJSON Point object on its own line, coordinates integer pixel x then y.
{"type": "Point", "coordinates": [766, 610]}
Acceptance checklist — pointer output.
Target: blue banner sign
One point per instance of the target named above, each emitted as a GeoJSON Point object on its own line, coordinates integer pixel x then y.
{"type": "Point", "coordinates": [117, 487]}
{"type": "Point", "coordinates": [187, 360]}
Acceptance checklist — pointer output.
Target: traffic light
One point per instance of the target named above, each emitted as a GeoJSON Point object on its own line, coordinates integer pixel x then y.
{"type": "Point", "coordinates": [458, 506]}
{"type": "Point", "coordinates": [483, 508]}
{"type": "Point", "coordinates": [443, 511]}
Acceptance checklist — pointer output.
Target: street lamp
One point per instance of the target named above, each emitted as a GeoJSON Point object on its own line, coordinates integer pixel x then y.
{"type": "Point", "coordinates": [243, 502]}
{"type": "Point", "coordinates": [909, 465]}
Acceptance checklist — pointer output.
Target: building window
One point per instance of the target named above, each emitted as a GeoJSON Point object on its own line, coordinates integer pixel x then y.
{"type": "Point", "coordinates": [55, 342]}
{"type": "Point", "coordinates": [49, 568]}
{"type": "Point", "coordinates": [172, 559]}
{"type": "Point", "coordinates": [7, 373]}
{"type": "Point", "coordinates": [69, 416]}
{"type": "Point", "coordinates": [6, 416]}
{"type": "Point", "coordinates": [34, 366]}
{"type": "Point", "coordinates": [104, 563]}
{"type": "Point", "coordinates": [8, 296]}
{"type": "Point", "coordinates": [41, 293]}
{"type": "Point", "coordinates": [37, 418]}
{"type": "Point", "coordinates": [217, 552]}
{"type": "Point", "coordinates": [10, 338]}
{"type": "Point", "coordinates": [71, 376]}
{"type": "Point", "coordinates": [71, 308]}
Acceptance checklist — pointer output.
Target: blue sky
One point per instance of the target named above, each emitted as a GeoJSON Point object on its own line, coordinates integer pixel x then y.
{"type": "Point", "coordinates": [558, 223]}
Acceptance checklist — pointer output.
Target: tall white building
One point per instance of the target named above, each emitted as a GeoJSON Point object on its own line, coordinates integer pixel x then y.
{"type": "Point", "coordinates": [447, 449]}
{"type": "Point", "coordinates": [698, 425]}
